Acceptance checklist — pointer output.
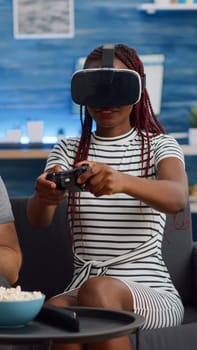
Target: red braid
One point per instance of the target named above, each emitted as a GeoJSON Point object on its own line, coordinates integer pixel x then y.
{"type": "Point", "coordinates": [142, 116]}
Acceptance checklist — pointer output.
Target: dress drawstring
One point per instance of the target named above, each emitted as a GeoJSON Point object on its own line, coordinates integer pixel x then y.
{"type": "Point", "coordinates": [149, 248]}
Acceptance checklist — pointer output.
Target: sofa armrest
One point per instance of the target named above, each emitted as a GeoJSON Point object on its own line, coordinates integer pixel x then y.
{"type": "Point", "coordinates": [194, 258]}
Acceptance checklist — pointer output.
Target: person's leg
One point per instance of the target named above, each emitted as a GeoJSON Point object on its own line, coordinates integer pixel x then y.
{"type": "Point", "coordinates": [110, 293]}
{"type": "Point", "coordinates": [63, 300]}
{"type": "Point", "coordinates": [104, 292]}
{"type": "Point", "coordinates": [68, 347]}
{"type": "Point", "coordinates": [113, 344]}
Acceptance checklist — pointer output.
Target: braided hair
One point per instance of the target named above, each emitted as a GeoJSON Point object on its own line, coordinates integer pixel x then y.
{"type": "Point", "coordinates": [142, 116]}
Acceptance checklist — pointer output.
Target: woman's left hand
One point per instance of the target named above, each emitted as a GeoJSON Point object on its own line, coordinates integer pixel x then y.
{"type": "Point", "coordinates": [100, 179]}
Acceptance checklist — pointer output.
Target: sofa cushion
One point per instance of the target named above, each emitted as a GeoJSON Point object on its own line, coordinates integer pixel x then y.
{"type": "Point", "coordinates": [47, 253]}
{"type": "Point", "coordinates": [177, 252]}
{"type": "Point", "coordinates": [181, 338]}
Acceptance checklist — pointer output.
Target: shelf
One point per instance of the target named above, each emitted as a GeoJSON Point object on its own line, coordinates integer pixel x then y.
{"type": "Point", "coordinates": [193, 207]}
{"type": "Point", "coordinates": [43, 153]}
{"type": "Point", "coordinates": [25, 151]}
{"type": "Point", "coordinates": [24, 154]}
{"type": "Point", "coordinates": [152, 8]}
{"type": "Point", "coordinates": [189, 150]}
{"type": "Point", "coordinates": [193, 204]}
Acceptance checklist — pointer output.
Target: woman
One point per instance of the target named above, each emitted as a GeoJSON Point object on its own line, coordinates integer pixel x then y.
{"type": "Point", "coordinates": [136, 175]}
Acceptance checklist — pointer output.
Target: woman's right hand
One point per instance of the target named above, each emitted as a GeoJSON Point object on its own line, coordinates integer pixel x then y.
{"type": "Point", "coordinates": [46, 191]}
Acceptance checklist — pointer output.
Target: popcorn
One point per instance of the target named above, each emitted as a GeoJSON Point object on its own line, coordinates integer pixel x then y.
{"type": "Point", "coordinates": [15, 294]}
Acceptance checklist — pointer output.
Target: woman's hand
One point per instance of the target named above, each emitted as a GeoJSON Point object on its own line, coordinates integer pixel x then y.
{"type": "Point", "coordinates": [42, 205]}
{"type": "Point", "coordinates": [100, 179]}
{"type": "Point", "coordinates": [46, 190]}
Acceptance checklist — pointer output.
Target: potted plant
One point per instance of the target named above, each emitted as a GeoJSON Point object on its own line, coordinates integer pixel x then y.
{"type": "Point", "coordinates": [192, 132]}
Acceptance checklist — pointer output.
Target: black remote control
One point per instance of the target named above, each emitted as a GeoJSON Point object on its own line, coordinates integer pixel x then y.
{"type": "Point", "coordinates": [59, 317]}
{"type": "Point", "coordinates": [66, 180]}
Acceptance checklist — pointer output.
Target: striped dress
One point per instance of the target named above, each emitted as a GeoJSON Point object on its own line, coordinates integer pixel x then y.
{"type": "Point", "coordinates": [121, 236]}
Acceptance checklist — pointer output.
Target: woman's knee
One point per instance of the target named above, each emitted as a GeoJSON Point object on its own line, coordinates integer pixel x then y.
{"type": "Point", "coordinates": [106, 292]}
{"type": "Point", "coordinates": [62, 301]}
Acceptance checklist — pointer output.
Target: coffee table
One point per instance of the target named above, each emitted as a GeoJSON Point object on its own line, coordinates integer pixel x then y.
{"type": "Point", "coordinates": [96, 325]}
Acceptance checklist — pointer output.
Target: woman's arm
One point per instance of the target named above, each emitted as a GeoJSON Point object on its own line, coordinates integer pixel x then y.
{"type": "Point", "coordinates": [42, 205]}
{"type": "Point", "coordinates": [168, 193]}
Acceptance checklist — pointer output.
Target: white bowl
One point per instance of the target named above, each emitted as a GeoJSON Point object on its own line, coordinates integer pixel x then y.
{"type": "Point", "coordinates": [17, 313]}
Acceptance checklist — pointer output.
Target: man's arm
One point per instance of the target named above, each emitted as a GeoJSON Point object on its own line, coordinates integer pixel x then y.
{"type": "Point", "coordinates": [10, 253]}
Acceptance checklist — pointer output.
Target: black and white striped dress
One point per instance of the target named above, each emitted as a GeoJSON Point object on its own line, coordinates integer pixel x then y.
{"type": "Point", "coordinates": [122, 236]}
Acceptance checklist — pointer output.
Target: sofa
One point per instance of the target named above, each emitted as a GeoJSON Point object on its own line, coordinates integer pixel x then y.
{"type": "Point", "coordinates": [48, 266]}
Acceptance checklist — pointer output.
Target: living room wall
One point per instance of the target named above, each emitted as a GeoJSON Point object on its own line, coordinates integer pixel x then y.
{"type": "Point", "coordinates": [36, 72]}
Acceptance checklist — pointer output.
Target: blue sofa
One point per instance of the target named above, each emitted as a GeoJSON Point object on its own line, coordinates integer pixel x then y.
{"type": "Point", "coordinates": [48, 266]}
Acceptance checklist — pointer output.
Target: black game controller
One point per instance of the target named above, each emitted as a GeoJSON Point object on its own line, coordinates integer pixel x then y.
{"type": "Point", "coordinates": [66, 180]}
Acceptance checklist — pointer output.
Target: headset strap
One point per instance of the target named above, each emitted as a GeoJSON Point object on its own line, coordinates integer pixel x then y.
{"type": "Point", "coordinates": [108, 56]}
{"type": "Point", "coordinates": [143, 80]}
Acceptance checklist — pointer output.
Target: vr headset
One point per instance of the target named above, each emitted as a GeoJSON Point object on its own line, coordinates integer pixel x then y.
{"type": "Point", "coordinates": [106, 86]}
